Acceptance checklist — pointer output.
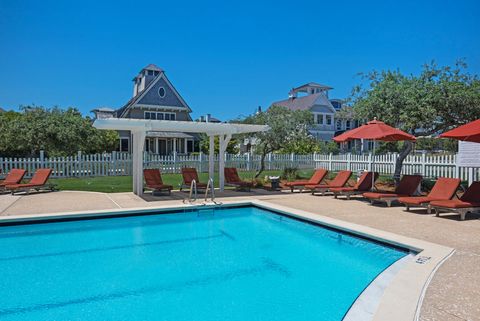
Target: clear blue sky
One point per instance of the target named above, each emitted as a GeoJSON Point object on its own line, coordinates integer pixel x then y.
{"type": "Point", "coordinates": [224, 57]}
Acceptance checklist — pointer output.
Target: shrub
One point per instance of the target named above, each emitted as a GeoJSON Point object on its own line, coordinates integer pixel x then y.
{"type": "Point", "coordinates": [289, 173]}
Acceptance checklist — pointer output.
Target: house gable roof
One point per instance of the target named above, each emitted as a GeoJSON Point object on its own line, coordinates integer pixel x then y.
{"type": "Point", "coordinates": [179, 101]}
{"type": "Point", "coordinates": [305, 102]}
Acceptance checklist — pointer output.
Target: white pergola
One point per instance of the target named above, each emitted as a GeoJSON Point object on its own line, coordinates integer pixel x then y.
{"type": "Point", "coordinates": [140, 127]}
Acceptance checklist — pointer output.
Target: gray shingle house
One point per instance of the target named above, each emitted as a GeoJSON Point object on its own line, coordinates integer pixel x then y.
{"type": "Point", "coordinates": [313, 97]}
{"type": "Point", "coordinates": [154, 97]}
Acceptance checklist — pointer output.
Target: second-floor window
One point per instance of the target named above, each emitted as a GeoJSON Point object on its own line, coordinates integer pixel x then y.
{"type": "Point", "coordinates": [160, 115]}
{"type": "Point", "coordinates": [319, 119]}
{"type": "Point", "coordinates": [348, 124]}
{"type": "Point", "coordinates": [339, 125]}
{"type": "Point", "coordinates": [329, 119]}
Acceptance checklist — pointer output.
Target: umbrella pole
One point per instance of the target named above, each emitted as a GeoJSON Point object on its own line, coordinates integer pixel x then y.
{"type": "Point", "coordinates": [373, 167]}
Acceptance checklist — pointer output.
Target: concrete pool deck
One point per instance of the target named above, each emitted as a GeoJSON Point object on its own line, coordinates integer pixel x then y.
{"type": "Point", "coordinates": [453, 293]}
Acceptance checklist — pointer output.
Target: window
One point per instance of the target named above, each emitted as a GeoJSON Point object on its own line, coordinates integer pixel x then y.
{"type": "Point", "coordinates": [348, 124]}
{"type": "Point", "coordinates": [161, 92]}
{"type": "Point", "coordinates": [160, 115]}
{"type": "Point", "coordinates": [320, 119]}
{"type": "Point", "coordinates": [189, 146]}
{"type": "Point", "coordinates": [150, 72]}
{"type": "Point", "coordinates": [124, 144]}
{"type": "Point", "coordinates": [339, 125]}
{"type": "Point", "coordinates": [329, 119]}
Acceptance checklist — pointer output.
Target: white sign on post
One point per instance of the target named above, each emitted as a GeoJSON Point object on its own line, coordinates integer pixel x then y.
{"type": "Point", "coordinates": [468, 154]}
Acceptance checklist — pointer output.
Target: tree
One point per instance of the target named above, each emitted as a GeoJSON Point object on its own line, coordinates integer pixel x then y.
{"type": "Point", "coordinates": [434, 101]}
{"type": "Point", "coordinates": [59, 132]}
{"type": "Point", "coordinates": [309, 145]}
{"type": "Point", "coordinates": [287, 127]}
{"type": "Point", "coordinates": [232, 147]}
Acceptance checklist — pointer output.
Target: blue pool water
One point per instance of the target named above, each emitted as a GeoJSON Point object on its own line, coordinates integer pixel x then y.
{"type": "Point", "coordinates": [242, 263]}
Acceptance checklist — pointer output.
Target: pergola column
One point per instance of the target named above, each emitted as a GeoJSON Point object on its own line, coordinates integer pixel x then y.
{"type": "Point", "coordinates": [138, 143]}
{"type": "Point", "coordinates": [211, 157]}
{"type": "Point", "coordinates": [224, 140]}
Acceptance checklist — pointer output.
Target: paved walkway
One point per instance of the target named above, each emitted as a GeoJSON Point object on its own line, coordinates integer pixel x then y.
{"type": "Point", "coordinates": [453, 294]}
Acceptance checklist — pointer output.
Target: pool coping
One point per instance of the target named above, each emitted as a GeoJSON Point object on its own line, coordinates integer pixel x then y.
{"type": "Point", "coordinates": [402, 298]}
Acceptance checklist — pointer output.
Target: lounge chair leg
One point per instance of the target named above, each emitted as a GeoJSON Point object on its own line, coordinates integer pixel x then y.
{"type": "Point", "coordinates": [335, 196]}
{"type": "Point", "coordinates": [437, 212]}
{"type": "Point", "coordinates": [389, 203]}
{"type": "Point", "coordinates": [429, 209]}
{"type": "Point", "coordinates": [407, 208]}
{"type": "Point", "coordinates": [348, 196]}
{"type": "Point", "coordinates": [462, 215]}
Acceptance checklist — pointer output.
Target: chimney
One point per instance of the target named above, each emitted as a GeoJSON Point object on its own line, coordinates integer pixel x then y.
{"type": "Point", "coordinates": [208, 118]}
{"type": "Point", "coordinates": [292, 94]}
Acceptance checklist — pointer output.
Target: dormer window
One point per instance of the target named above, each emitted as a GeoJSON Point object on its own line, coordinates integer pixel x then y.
{"type": "Point", "coordinates": [161, 92]}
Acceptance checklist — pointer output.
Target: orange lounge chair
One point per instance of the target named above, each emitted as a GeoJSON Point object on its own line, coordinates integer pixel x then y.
{"type": "Point", "coordinates": [364, 184]}
{"type": "Point", "coordinates": [339, 181]}
{"type": "Point", "coordinates": [443, 190]}
{"type": "Point", "coordinates": [190, 174]}
{"type": "Point", "coordinates": [38, 182]}
{"type": "Point", "coordinates": [232, 179]}
{"type": "Point", "coordinates": [469, 202]}
{"type": "Point", "coordinates": [407, 187]}
{"type": "Point", "coordinates": [15, 176]}
{"type": "Point", "coordinates": [316, 179]}
{"type": "Point", "coordinates": [153, 181]}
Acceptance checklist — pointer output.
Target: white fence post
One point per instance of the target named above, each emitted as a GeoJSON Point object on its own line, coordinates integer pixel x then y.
{"type": "Point", "coordinates": [424, 164]}
{"type": "Point", "coordinates": [42, 159]}
{"type": "Point", "coordinates": [330, 161]}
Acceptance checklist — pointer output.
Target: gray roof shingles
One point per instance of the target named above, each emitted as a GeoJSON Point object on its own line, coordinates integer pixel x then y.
{"type": "Point", "coordinates": [303, 103]}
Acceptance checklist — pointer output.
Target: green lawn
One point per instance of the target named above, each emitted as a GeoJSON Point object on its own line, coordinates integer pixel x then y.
{"type": "Point", "coordinates": [116, 184]}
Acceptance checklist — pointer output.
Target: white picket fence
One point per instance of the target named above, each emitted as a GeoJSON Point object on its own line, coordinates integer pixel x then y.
{"type": "Point", "coordinates": [117, 164]}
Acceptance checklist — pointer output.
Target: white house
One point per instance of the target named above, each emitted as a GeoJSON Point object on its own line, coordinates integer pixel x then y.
{"type": "Point", "coordinates": [314, 97]}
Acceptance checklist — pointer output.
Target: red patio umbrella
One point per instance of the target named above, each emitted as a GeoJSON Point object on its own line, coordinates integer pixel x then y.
{"type": "Point", "coordinates": [469, 132]}
{"type": "Point", "coordinates": [375, 130]}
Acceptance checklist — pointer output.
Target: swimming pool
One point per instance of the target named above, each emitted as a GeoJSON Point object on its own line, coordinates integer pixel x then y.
{"type": "Point", "coordinates": [232, 263]}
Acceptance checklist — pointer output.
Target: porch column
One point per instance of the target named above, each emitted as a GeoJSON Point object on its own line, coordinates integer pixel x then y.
{"type": "Point", "coordinates": [211, 156]}
{"type": "Point", "coordinates": [185, 150]}
{"type": "Point", "coordinates": [224, 139]}
{"type": "Point", "coordinates": [174, 146]}
{"type": "Point", "coordinates": [138, 143]}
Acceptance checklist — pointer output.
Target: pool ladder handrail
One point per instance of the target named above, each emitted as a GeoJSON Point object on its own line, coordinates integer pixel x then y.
{"type": "Point", "coordinates": [193, 190]}
{"type": "Point", "coordinates": [212, 190]}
